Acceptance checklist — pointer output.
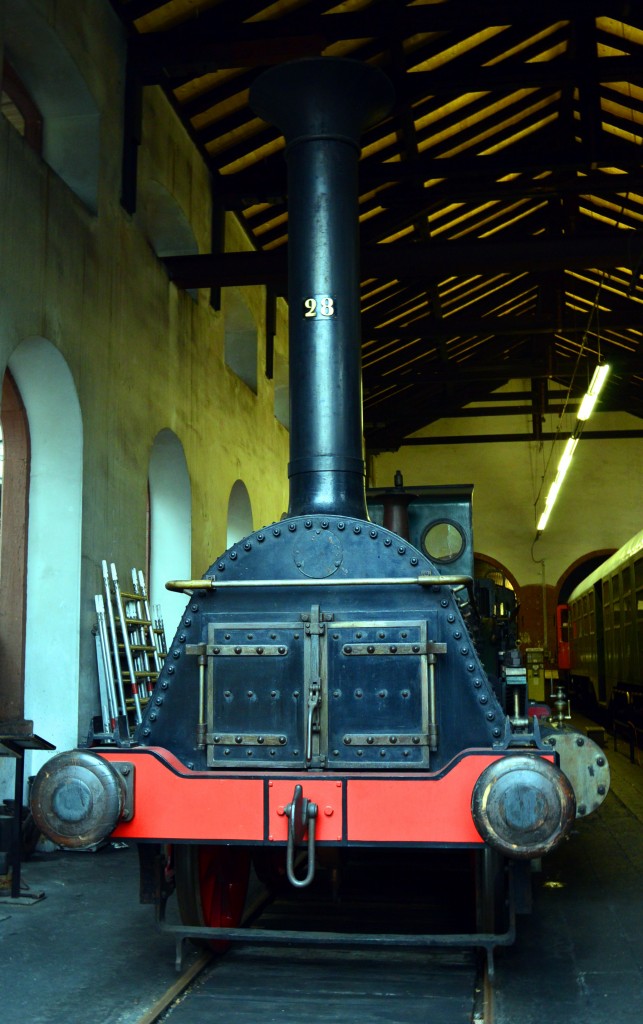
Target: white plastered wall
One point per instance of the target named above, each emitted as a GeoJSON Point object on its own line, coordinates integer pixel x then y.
{"type": "Point", "coordinates": [54, 544]}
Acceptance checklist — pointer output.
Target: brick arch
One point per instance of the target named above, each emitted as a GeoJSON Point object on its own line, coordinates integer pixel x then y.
{"type": "Point", "coordinates": [479, 556]}
{"type": "Point", "coordinates": [592, 560]}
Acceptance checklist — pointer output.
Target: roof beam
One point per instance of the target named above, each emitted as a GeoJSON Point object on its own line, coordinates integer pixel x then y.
{"type": "Point", "coordinates": [420, 260]}
{"type": "Point", "coordinates": [473, 178]}
{"type": "Point", "coordinates": [501, 326]}
{"type": "Point", "coordinates": [588, 435]}
{"type": "Point", "coordinates": [205, 44]}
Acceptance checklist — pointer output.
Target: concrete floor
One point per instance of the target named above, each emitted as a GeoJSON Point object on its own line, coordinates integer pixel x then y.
{"type": "Point", "coordinates": [90, 951]}
{"type": "Point", "coordinates": [579, 955]}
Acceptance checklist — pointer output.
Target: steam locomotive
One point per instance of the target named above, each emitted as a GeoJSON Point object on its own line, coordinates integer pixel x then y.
{"type": "Point", "coordinates": [323, 690]}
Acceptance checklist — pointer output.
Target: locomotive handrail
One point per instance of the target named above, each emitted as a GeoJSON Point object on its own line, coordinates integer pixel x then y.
{"type": "Point", "coordinates": [423, 580]}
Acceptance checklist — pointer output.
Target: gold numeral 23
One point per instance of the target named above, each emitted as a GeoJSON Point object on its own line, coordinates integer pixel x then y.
{"type": "Point", "coordinates": [320, 307]}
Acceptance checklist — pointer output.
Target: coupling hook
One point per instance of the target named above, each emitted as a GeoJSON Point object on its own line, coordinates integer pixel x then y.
{"type": "Point", "coordinates": [302, 814]}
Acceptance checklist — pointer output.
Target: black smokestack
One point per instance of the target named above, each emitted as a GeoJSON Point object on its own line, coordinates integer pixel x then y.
{"type": "Point", "coordinates": [323, 105]}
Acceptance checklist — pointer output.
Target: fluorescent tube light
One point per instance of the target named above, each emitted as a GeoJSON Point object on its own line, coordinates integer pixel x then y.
{"type": "Point", "coordinates": [596, 384]}
{"type": "Point", "coordinates": [563, 466]}
{"type": "Point", "coordinates": [589, 401]}
{"type": "Point", "coordinates": [542, 522]}
{"type": "Point", "coordinates": [566, 457]}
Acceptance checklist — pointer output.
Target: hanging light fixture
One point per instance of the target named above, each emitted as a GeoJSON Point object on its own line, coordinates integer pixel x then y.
{"type": "Point", "coordinates": [584, 412]}
{"type": "Point", "coordinates": [595, 387]}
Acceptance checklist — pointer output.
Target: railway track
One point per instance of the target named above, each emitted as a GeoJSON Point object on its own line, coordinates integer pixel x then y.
{"type": "Point", "coordinates": [336, 984]}
{"type": "Point", "coordinates": [327, 986]}
{"type": "Point", "coordinates": [162, 1006]}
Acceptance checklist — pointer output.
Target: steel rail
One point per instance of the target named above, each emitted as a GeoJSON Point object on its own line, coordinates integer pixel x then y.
{"type": "Point", "coordinates": [171, 994]}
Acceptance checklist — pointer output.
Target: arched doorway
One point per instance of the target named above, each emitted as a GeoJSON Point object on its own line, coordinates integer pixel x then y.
{"type": "Point", "coordinates": [170, 526]}
{"type": "Point", "coordinates": [14, 510]}
{"type": "Point", "coordinates": [53, 548]}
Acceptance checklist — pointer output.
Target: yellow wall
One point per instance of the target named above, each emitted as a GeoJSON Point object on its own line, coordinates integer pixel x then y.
{"type": "Point", "coordinates": [142, 354]}
{"type": "Point", "coordinates": [599, 506]}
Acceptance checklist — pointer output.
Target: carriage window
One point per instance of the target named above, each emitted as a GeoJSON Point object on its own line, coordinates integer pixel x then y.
{"type": "Point", "coordinates": [627, 595]}
{"type": "Point", "coordinates": [638, 584]}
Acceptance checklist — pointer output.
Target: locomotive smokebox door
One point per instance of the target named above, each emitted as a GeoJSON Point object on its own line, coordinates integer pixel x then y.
{"type": "Point", "coordinates": [297, 693]}
{"type": "Point", "coordinates": [378, 673]}
{"type": "Point", "coordinates": [256, 698]}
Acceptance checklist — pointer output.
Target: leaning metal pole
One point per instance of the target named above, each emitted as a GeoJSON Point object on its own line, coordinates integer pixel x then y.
{"type": "Point", "coordinates": [323, 105]}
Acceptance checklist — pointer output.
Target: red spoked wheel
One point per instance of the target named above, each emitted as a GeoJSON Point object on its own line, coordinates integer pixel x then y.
{"type": "Point", "coordinates": [211, 886]}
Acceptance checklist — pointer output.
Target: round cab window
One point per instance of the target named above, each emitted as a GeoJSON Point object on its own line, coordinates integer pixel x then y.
{"type": "Point", "coordinates": [443, 541]}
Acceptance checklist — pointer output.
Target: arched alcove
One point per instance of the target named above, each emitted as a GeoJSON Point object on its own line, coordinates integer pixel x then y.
{"type": "Point", "coordinates": [52, 638]}
{"type": "Point", "coordinates": [170, 526]}
{"type": "Point", "coordinates": [70, 115]}
{"type": "Point", "coordinates": [282, 391]}
{"type": "Point", "coordinates": [165, 225]}
{"type": "Point", "coordinates": [239, 513]}
{"type": "Point", "coordinates": [240, 338]}
{"type": "Point", "coordinates": [19, 108]}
